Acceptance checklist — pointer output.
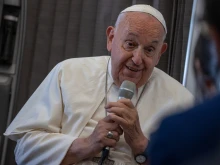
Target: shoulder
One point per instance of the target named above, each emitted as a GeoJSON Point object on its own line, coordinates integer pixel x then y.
{"type": "Point", "coordinates": [88, 61]}
{"type": "Point", "coordinates": [84, 64]}
{"type": "Point", "coordinates": [168, 83]}
{"type": "Point", "coordinates": [81, 69]}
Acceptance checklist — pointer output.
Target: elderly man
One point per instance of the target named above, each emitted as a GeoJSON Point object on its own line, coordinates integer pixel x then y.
{"type": "Point", "coordinates": [65, 120]}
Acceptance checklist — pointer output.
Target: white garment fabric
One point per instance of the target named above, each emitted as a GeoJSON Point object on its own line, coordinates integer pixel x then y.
{"type": "Point", "coordinates": [69, 103]}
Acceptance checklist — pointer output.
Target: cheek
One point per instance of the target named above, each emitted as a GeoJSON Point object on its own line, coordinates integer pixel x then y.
{"type": "Point", "coordinates": [149, 62]}
{"type": "Point", "coordinates": [120, 57]}
{"type": "Point", "coordinates": [154, 60]}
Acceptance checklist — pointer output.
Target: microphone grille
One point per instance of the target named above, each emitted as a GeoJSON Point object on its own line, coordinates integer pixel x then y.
{"type": "Point", "coordinates": [127, 89]}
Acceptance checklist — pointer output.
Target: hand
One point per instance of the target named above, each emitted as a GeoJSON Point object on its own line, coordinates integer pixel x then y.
{"type": "Point", "coordinates": [85, 148]}
{"type": "Point", "coordinates": [125, 114]}
{"type": "Point", "coordinates": [98, 139]}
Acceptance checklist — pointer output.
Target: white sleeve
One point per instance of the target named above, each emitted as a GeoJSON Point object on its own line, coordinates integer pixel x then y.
{"type": "Point", "coordinates": [37, 127]}
{"type": "Point", "coordinates": [39, 147]}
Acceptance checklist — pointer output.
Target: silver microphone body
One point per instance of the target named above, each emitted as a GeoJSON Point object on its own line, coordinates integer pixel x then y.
{"type": "Point", "coordinates": [126, 90]}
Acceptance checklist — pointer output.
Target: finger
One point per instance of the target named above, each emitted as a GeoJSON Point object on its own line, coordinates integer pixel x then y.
{"type": "Point", "coordinates": [116, 110]}
{"type": "Point", "coordinates": [111, 125]}
{"type": "Point", "coordinates": [119, 120]}
{"type": "Point", "coordinates": [114, 135]}
{"type": "Point", "coordinates": [107, 120]}
{"type": "Point", "coordinates": [110, 142]}
{"type": "Point", "coordinates": [122, 112]}
{"type": "Point", "coordinates": [120, 103]}
{"type": "Point", "coordinates": [114, 104]}
{"type": "Point", "coordinates": [119, 130]}
{"type": "Point", "coordinates": [126, 102]}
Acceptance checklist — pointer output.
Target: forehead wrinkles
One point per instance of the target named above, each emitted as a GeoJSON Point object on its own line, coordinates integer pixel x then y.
{"type": "Point", "coordinates": [139, 23]}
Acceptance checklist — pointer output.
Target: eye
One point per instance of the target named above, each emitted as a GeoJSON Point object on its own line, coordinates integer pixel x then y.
{"type": "Point", "coordinates": [129, 45]}
{"type": "Point", "coordinates": [149, 51]}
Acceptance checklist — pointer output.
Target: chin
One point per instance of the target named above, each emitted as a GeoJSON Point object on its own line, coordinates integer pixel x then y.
{"type": "Point", "coordinates": [139, 85]}
{"type": "Point", "coordinates": [129, 79]}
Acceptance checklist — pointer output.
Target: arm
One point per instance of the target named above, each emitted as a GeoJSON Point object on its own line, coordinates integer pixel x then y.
{"type": "Point", "coordinates": [40, 147]}
{"type": "Point", "coordinates": [37, 127]}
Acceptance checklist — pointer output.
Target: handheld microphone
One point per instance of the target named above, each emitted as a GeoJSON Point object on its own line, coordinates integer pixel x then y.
{"type": "Point", "coordinates": [126, 91]}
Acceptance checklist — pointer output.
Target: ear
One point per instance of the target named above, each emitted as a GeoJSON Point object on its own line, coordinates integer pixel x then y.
{"type": "Point", "coordinates": [163, 49]}
{"type": "Point", "coordinates": [110, 36]}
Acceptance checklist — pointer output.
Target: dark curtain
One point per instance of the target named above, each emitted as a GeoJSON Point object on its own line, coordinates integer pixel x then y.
{"type": "Point", "coordinates": [60, 29]}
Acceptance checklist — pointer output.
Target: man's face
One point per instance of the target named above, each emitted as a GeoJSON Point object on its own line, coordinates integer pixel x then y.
{"type": "Point", "coordinates": [136, 44]}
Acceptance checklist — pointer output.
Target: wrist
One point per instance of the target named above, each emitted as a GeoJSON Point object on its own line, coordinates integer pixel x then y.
{"type": "Point", "coordinates": [78, 151]}
{"type": "Point", "coordinates": [139, 146]}
{"type": "Point", "coordinates": [140, 154]}
{"type": "Point", "coordinates": [142, 157]}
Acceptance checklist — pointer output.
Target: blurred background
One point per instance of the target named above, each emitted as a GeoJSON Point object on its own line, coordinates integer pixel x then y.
{"type": "Point", "coordinates": [35, 35]}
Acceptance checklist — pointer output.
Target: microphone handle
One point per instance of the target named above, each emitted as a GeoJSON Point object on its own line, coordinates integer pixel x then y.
{"type": "Point", "coordinates": [105, 153]}
{"type": "Point", "coordinates": [126, 91]}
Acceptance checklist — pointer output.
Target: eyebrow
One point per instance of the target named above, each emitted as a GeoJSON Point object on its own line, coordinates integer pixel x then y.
{"type": "Point", "coordinates": [133, 34]}
{"type": "Point", "coordinates": [136, 35]}
{"type": "Point", "coordinates": [155, 41]}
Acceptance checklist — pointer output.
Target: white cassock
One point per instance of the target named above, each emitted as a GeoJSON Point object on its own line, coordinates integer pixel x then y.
{"type": "Point", "coordinates": [70, 102]}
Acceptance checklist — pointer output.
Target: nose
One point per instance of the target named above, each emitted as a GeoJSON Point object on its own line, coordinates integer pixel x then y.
{"type": "Point", "coordinates": [137, 57]}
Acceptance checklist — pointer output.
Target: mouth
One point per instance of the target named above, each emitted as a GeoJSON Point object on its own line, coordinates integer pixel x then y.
{"type": "Point", "coordinates": [133, 69]}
